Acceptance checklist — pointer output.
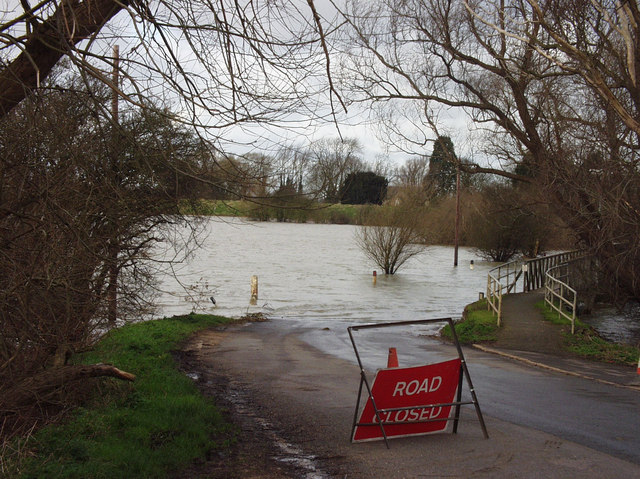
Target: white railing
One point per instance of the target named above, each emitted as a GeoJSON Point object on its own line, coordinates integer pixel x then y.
{"type": "Point", "coordinates": [559, 296]}
{"type": "Point", "coordinates": [531, 273]}
{"type": "Point", "coordinates": [502, 280]}
{"type": "Point", "coordinates": [536, 269]}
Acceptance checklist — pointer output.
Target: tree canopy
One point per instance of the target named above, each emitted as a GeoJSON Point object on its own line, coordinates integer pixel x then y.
{"type": "Point", "coordinates": [364, 187]}
{"type": "Point", "coordinates": [539, 81]}
{"type": "Point", "coordinates": [442, 166]}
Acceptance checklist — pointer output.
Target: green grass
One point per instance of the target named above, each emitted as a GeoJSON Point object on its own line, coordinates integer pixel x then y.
{"type": "Point", "coordinates": [553, 316]}
{"type": "Point", "coordinates": [477, 325]}
{"type": "Point", "coordinates": [317, 212]}
{"type": "Point", "coordinates": [144, 429]}
{"type": "Point", "coordinates": [216, 207]}
{"type": "Point", "coordinates": [587, 343]}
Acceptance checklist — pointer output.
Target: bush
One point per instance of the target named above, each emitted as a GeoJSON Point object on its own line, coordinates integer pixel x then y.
{"type": "Point", "coordinates": [388, 237]}
{"type": "Point", "coordinates": [506, 225]}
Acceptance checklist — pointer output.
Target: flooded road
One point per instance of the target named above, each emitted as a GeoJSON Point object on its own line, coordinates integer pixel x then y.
{"type": "Point", "coordinates": [316, 274]}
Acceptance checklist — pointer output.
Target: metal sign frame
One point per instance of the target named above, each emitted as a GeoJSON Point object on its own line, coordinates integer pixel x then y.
{"type": "Point", "coordinates": [464, 374]}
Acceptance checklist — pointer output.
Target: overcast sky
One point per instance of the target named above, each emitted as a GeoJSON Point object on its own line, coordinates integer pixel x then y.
{"type": "Point", "coordinates": [356, 123]}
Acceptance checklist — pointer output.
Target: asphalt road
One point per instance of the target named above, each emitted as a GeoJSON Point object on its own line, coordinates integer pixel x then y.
{"type": "Point", "coordinates": [541, 424]}
{"type": "Point", "coordinates": [599, 416]}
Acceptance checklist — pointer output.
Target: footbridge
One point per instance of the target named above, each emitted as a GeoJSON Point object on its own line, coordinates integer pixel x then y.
{"type": "Point", "coordinates": [525, 275]}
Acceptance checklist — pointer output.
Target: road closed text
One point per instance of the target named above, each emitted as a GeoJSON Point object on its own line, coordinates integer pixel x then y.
{"type": "Point", "coordinates": [409, 415]}
{"type": "Point", "coordinates": [416, 386]}
{"type": "Point", "coordinates": [409, 401]}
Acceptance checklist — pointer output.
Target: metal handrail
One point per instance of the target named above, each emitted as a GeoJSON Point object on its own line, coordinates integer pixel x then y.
{"type": "Point", "coordinates": [536, 268]}
{"type": "Point", "coordinates": [504, 279]}
{"type": "Point", "coordinates": [558, 294]}
{"type": "Point", "coordinates": [500, 279]}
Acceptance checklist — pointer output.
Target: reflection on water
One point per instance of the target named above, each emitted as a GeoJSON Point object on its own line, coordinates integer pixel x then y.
{"type": "Point", "coordinates": [317, 273]}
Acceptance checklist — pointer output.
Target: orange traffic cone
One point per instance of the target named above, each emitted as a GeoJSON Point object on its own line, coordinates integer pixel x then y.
{"type": "Point", "coordinates": [638, 366]}
{"type": "Point", "coordinates": [392, 362]}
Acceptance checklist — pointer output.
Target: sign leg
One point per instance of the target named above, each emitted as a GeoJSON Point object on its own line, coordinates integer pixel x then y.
{"type": "Point", "coordinates": [458, 400]}
{"type": "Point", "coordinates": [355, 413]}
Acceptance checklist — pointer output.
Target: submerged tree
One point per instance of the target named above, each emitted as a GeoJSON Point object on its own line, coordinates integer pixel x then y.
{"type": "Point", "coordinates": [389, 238]}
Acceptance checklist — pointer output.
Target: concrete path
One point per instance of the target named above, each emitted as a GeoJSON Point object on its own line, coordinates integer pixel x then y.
{"type": "Point", "coordinates": [523, 327]}
{"type": "Point", "coordinates": [526, 337]}
{"type": "Point", "coordinates": [298, 403]}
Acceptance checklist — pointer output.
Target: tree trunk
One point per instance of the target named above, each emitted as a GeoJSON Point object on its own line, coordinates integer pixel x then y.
{"type": "Point", "coordinates": [35, 389]}
{"type": "Point", "coordinates": [51, 40]}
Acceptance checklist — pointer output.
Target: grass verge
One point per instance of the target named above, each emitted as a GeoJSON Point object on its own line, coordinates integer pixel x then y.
{"type": "Point", "coordinates": [147, 428]}
{"type": "Point", "coordinates": [587, 343]}
{"type": "Point", "coordinates": [204, 207]}
{"type": "Point", "coordinates": [302, 213]}
{"type": "Point", "coordinates": [477, 325]}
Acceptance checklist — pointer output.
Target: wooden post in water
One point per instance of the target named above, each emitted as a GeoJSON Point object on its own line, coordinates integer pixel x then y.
{"type": "Point", "coordinates": [254, 289]}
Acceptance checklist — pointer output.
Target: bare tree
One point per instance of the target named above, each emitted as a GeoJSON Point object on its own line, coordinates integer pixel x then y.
{"type": "Point", "coordinates": [600, 43]}
{"type": "Point", "coordinates": [596, 43]}
{"type": "Point", "coordinates": [413, 173]}
{"type": "Point", "coordinates": [409, 187]}
{"type": "Point", "coordinates": [293, 167]}
{"type": "Point", "coordinates": [218, 67]}
{"type": "Point", "coordinates": [540, 81]}
{"type": "Point", "coordinates": [383, 166]}
{"type": "Point", "coordinates": [235, 64]}
{"type": "Point", "coordinates": [66, 206]}
{"type": "Point", "coordinates": [389, 237]}
{"type": "Point", "coordinates": [507, 222]}
{"type": "Point", "coordinates": [333, 159]}
{"type": "Point", "coordinates": [79, 184]}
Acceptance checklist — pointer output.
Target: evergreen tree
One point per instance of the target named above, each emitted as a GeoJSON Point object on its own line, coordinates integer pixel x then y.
{"type": "Point", "coordinates": [442, 167]}
{"type": "Point", "coordinates": [363, 187]}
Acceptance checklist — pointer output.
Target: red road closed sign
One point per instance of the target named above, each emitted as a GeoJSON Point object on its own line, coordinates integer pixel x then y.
{"type": "Point", "coordinates": [410, 389]}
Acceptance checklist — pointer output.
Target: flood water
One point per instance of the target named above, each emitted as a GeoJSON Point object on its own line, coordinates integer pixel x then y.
{"type": "Point", "coordinates": [618, 325]}
{"type": "Point", "coordinates": [316, 274]}
{"type": "Point", "coordinates": [314, 278]}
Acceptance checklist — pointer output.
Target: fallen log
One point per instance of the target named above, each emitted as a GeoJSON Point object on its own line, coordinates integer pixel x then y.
{"type": "Point", "coordinates": [38, 388]}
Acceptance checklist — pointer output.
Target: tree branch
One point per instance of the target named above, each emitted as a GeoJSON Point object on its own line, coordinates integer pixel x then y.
{"type": "Point", "coordinates": [35, 389]}
{"type": "Point", "coordinates": [48, 42]}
